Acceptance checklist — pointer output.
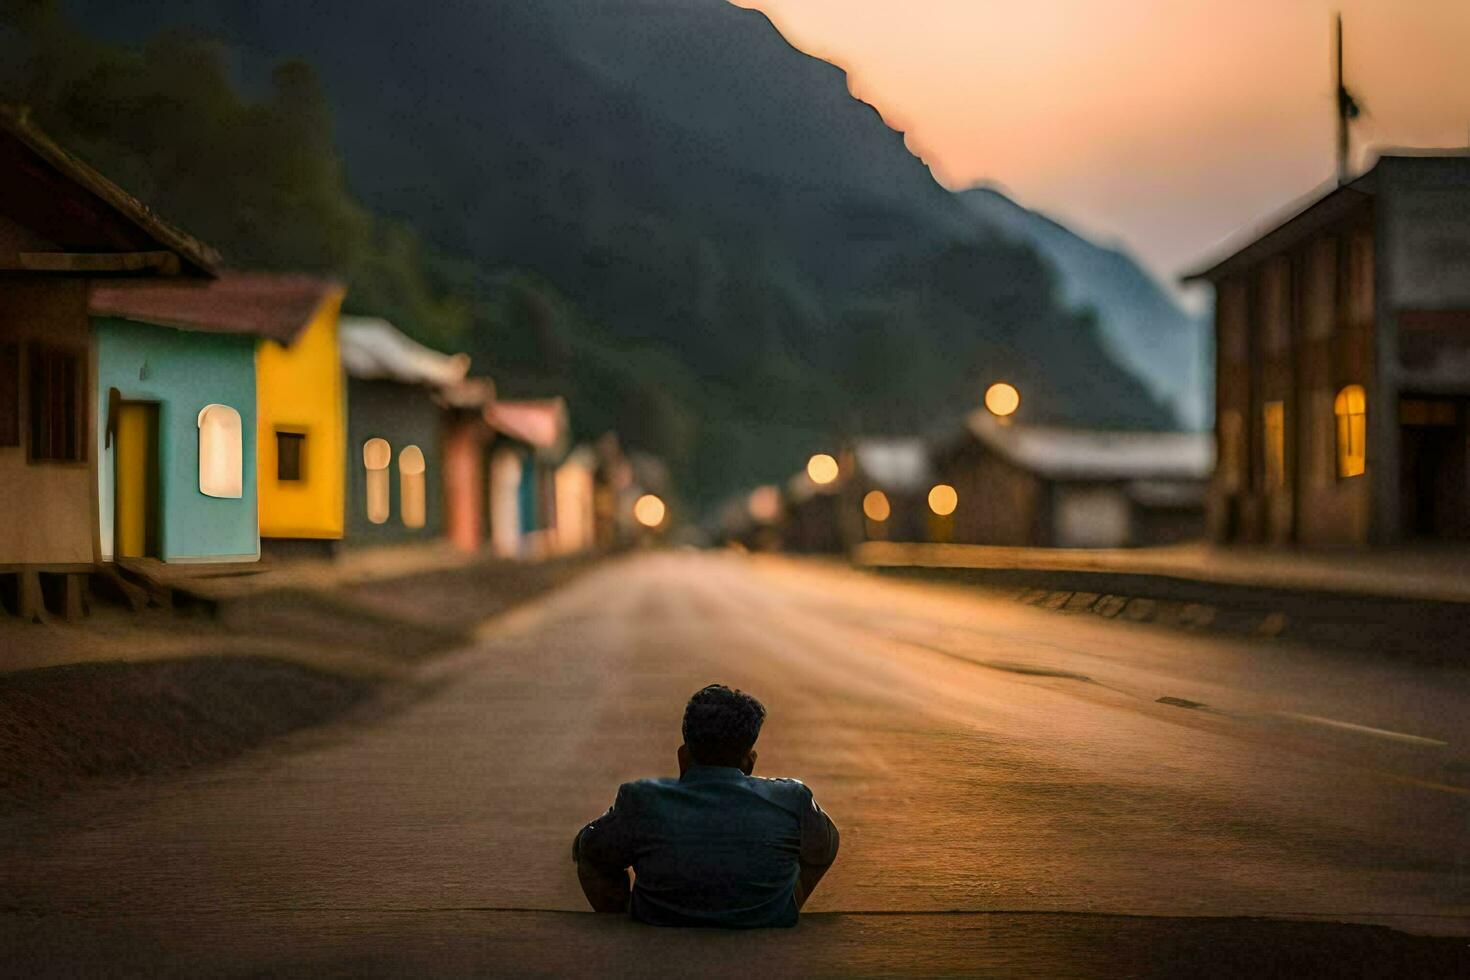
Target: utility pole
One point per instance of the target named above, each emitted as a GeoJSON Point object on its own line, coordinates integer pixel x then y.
{"type": "Point", "coordinates": [1347, 110]}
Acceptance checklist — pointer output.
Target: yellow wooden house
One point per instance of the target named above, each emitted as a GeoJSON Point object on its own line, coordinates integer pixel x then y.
{"type": "Point", "coordinates": [301, 421]}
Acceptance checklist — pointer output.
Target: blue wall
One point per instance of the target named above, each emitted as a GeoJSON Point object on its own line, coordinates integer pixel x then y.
{"type": "Point", "coordinates": [182, 371]}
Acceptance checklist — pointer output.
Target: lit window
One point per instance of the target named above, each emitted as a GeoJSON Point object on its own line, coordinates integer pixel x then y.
{"type": "Point", "coordinates": [221, 452]}
{"type": "Point", "coordinates": [411, 503]}
{"type": "Point", "coordinates": [376, 455]}
{"type": "Point", "coordinates": [1274, 416]}
{"type": "Point", "coordinates": [1351, 409]}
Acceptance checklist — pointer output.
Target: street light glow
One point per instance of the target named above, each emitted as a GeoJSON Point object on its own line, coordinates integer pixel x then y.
{"type": "Point", "coordinates": [765, 504]}
{"type": "Point", "coordinates": [649, 511]}
{"type": "Point", "coordinates": [1002, 399]}
{"type": "Point", "coordinates": [822, 468]}
{"type": "Point", "coordinates": [875, 506]}
{"type": "Point", "coordinates": [943, 500]}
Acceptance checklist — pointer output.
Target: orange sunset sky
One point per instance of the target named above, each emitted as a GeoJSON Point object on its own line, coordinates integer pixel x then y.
{"type": "Point", "coordinates": [1169, 124]}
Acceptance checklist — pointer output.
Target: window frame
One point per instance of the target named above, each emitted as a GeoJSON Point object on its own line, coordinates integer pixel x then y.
{"type": "Point", "coordinates": [1345, 423]}
{"type": "Point", "coordinates": [35, 351]}
{"type": "Point", "coordinates": [301, 434]}
{"type": "Point", "coordinates": [234, 487]}
{"type": "Point", "coordinates": [413, 486]}
{"type": "Point", "coordinates": [12, 399]}
{"type": "Point", "coordinates": [377, 482]}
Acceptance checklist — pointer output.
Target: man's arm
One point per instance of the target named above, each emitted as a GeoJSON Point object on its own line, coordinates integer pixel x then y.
{"type": "Point", "coordinates": [819, 843]}
{"type": "Point", "coordinates": [602, 851]}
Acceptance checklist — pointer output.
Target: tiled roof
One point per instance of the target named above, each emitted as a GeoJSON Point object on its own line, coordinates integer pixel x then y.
{"type": "Point", "coordinates": [261, 304]}
{"type": "Point", "coordinates": [542, 423]}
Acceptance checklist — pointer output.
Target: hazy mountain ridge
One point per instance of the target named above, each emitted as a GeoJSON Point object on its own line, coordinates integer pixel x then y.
{"type": "Point", "coordinates": [1143, 326]}
{"type": "Point", "coordinates": [714, 201]}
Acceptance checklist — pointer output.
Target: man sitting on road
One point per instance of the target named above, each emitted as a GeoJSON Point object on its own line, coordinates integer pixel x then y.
{"type": "Point", "coordinates": [717, 846]}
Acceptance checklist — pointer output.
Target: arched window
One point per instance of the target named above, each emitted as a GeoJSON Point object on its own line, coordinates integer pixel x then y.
{"type": "Point", "coordinates": [1351, 409]}
{"type": "Point", "coordinates": [221, 452]}
{"type": "Point", "coordinates": [411, 503]}
{"type": "Point", "coordinates": [376, 455]}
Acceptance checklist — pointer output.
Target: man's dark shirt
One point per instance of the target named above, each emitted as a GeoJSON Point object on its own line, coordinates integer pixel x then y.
{"type": "Point", "coordinates": [714, 847]}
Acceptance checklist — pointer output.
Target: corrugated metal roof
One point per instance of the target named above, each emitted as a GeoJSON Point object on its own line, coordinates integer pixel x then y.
{"type": "Point", "coordinates": [900, 464]}
{"type": "Point", "coordinates": [1087, 454]}
{"type": "Point", "coordinates": [261, 304]}
{"type": "Point", "coordinates": [374, 349]}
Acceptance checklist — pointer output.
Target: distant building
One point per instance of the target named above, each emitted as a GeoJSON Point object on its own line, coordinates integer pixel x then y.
{"type": "Point", "coordinates": [466, 436]}
{"type": "Point", "coordinates": [1074, 488]}
{"type": "Point", "coordinates": [396, 431]}
{"type": "Point", "coordinates": [892, 480]}
{"type": "Point", "coordinates": [62, 225]}
{"type": "Point", "coordinates": [531, 440]}
{"type": "Point", "coordinates": [1343, 350]}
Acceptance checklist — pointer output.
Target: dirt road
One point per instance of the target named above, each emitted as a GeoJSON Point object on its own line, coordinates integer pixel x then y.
{"type": "Point", "coordinates": [980, 757]}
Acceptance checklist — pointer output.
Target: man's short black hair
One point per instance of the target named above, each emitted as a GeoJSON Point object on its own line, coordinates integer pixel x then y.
{"type": "Point", "coordinates": [721, 725]}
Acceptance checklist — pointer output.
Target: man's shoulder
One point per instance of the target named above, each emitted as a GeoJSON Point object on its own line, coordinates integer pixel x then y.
{"type": "Point", "coordinates": [637, 789]}
{"type": "Point", "coordinates": [790, 794]}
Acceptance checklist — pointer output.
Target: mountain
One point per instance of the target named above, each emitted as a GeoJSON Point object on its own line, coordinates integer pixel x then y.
{"type": "Point", "coordinates": [674, 217]}
{"type": "Point", "coordinates": [1142, 325]}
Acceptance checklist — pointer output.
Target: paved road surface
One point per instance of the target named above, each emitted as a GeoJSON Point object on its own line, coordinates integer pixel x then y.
{"type": "Point", "coordinates": [979, 755]}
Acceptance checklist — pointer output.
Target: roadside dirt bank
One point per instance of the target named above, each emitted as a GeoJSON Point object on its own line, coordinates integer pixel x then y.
{"type": "Point", "coordinates": [63, 728]}
{"type": "Point", "coordinates": [126, 696]}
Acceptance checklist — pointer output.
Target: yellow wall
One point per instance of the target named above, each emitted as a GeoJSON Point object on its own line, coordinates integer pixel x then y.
{"type": "Point", "coordinates": [300, 388]}
{"type": "Point", "coordinates": [49, 509]}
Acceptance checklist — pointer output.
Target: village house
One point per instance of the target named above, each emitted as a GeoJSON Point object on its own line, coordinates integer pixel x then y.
{"type": "Point", "coordinates": [531, 439]}
{"type": "Point", "coordinates": [62, 225]}
{"type": "Point", "coordinates": [1343, 364]}
{"type": "Point", "coordinates": [1043, 486]}
{"type": "Point", "coordinates": [175, 404]}
{"type": "Point", "coordinates": [466, 436]}
{"type": "Point", "coordinates": [396, 430]}
{"type": "Point", "coordinates": [167, 350]}
{"type": "Point", "coordinates": [892, 478]}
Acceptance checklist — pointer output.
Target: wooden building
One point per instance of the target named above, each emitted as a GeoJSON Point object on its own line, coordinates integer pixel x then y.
{"type": "Point", "coordinates": [62, 226]}
{"type": "Point", "coordinates": [1343, 365]}
{"type": "Point", "coordinates": [396, 432]}
{"type": "Point", "coordinates": [531, 439]}
{"type": "Point", "coordinates": [891, 482]}
{"type": "Point", "coordinates": [1074, 488]}
{"type": "Point", "coordinates": [289, 324]}
{"type": "Point", "coordinates": [175, 403]}
{"type": "Point", "coordinates": [466, 437]}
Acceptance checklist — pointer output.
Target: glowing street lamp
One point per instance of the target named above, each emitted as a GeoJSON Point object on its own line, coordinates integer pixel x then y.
{"type": "Point", "coordinates": [943, 500]}
{"type": "Point", "coordinates": [650, 511]}
{"type": "Point", "coordinates": [765, 504]}
{"type": "Point", "coordinates": [1002, 399]}
{"type": "Point", "coordinates": [876, 506]}
{"type": "Point", "coordinates": [822, 468]}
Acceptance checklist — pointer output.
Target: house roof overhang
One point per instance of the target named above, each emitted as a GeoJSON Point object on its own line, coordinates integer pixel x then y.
{"type": "Point", "coordinates": [84, 224]}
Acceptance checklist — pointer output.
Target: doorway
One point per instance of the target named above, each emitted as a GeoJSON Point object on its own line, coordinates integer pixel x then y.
{"type": "Point", "coordinates": [1434, 485]}
{"type": "Point", "coordinates": [135, 481]}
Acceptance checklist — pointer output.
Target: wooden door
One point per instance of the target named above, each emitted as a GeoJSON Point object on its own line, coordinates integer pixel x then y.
{"type": "Point", "coordinates": [135, 481]}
